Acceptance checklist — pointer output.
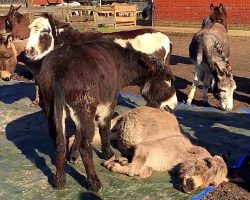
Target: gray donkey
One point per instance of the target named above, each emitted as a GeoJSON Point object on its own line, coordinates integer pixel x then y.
{"type": "Point", "coordinates": [209, 51]}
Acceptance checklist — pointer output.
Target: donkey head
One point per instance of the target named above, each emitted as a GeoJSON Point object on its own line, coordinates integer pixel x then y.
{"type": "Point", "coordinates": [8, 58]}
{"type": "Point", "coordinates": [201, 173]}
{"type": "Point", "coordinates": [19, 24]}
{"type": "Point", "coordinates": [43, 33]}
{"type": "Point", "coordinates": [224, 86]}
{"type": "Point", "coordinates": [218, 14]}
{"type": "Point", "coordinates": [223, 91]}
{"type": "Point", "coordinates": [159, 88]}
{"type": "Point", "coordinates": [10, 16]}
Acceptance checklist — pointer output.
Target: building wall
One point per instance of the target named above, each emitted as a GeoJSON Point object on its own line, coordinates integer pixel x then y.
{"type": "Point", "coordinates": [43, 2]}
{"type": "Point", "coordinates": [188, 12]}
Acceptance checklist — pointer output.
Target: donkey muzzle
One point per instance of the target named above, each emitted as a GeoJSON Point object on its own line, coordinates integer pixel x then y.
{"type": "Point", "coordinates": [5, 75]}
{"type": "Point", "coordinates": [30, 52]}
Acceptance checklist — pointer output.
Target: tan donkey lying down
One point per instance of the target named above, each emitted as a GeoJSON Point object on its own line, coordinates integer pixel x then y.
{"type": "Point", "coordinates": [154, 140]}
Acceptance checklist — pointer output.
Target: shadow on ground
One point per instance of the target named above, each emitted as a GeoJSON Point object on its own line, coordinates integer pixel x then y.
{"type": "Point", "coordinates": [30, 136]}
{"type": "Point", "coordinates": [18, 90]}
{"type": "Point", "coordinates": [220, 131]}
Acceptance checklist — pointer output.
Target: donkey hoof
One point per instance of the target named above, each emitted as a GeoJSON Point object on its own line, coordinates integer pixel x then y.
{"type": "Point", "coordinates": [107, 155]}
{"type": "Point", "coordinates": [95, 185]}
{"type": "Point", "coordinates": [109, 163]}
{"type": "Point", "coordinates": [34, 103]}
{"type": "Point", "coordinates": [74, 157]}
{"type": "Point", "coordinates": [60, 182]}
{"type": "Point", "coordinates": [189, 102]}
{"type": "Point", "coordinates": [123, 161]}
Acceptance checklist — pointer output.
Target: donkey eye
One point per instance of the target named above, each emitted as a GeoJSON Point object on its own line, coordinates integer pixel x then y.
{"type": "Point", "coordinates": [219, 20]}
{"type": "Point", "coordinates": [45, 31]}
{"type": "Point", "coordinates": [222, 90]}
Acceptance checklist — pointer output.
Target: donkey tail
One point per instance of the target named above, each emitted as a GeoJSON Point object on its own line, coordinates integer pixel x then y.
{"type": "Point", "coordinates": [59, 113]}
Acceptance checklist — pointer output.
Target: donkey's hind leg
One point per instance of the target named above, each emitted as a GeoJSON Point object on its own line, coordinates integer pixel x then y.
{"type": "Point", "coordinates": [194, 85]}
{"type": "Point", "coordinates": [86, 131]}
{"type": "Point", "coordinates": [206, 84]}
{"type": "Point", "coordinates": [60, 144]}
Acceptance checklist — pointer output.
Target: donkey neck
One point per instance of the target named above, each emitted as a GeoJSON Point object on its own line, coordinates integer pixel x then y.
{"type": "Point", "coordinates": [139, 68]}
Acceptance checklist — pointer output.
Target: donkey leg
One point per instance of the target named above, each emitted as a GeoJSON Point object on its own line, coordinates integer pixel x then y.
{"type": "Point", "coordinates": [60, 148]}
{"type": "Point", "coordinates": [194, 86]}
{"type": "Point", "coordinates": [138, 161]}
{"type": "Point", "coordinates": [206, 84]}
{"type": "Point", "coordinates": [86, 134]}
{"type": "Point", "coordinates": [36, 101]}
{"type": "Point", "coordinates": [74, 154]}
{"type": "Point", "coordinates": [104, 124]}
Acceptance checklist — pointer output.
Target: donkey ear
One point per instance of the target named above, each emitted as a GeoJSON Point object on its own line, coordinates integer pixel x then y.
{"type": "Point", "coordinates": [16, 9]}
{"type": "Point", "coordinates": [221, 8]}
{"type": "Point", "coordinates": [11, 7]}
{"type": "Point", "coordinates": [211, 7]}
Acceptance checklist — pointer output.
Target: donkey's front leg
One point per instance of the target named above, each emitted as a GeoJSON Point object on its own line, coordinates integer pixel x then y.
{"type": "Point", "coordinates": [104, 124]}
{"type": "Point", "coordinates": [194, 86]}
{"type": "Point", "coordinates": [104, 130]}
{"type": "Point", "coordinates": [35, 103]}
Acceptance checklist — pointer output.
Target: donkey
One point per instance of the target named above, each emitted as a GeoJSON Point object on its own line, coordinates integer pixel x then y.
{"type": "Point", "coordinates": [155, 142]}
{"type": "Point", "coordinates": [209, 50]}
{"type": "Point", "coordinates": [8, 58]}
{"type": "Point", "coordinates": [18, 23]}
{"type": "Point", "coordinates": [5, 26]}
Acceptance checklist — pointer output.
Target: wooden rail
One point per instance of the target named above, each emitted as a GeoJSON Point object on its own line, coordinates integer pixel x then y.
{"type": "Point", "coordinates": [116, 15]}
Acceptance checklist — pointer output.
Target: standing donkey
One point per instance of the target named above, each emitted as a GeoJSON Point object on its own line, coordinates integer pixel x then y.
{"type": "Point", "coordinates": [209, 51]}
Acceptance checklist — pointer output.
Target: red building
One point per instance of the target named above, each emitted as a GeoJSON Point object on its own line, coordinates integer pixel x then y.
{"type": "Point", "coordinates": [44, 2]}
{"type": "Point", "coordinates": [191, 12]}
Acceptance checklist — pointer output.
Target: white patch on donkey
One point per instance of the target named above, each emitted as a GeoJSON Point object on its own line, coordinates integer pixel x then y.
{"type": "Point", "coordinates": [147, 43]}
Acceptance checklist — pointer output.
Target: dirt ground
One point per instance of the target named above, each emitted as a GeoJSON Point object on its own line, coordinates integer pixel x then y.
{"type": "Point", "coordinates": [183, 70]}
{"type": "Point", "coordinates": [228, 191]}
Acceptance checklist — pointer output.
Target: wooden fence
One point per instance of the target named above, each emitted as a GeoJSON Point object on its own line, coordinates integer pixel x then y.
{"type": "Point", "coordinates": [115, 15]}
